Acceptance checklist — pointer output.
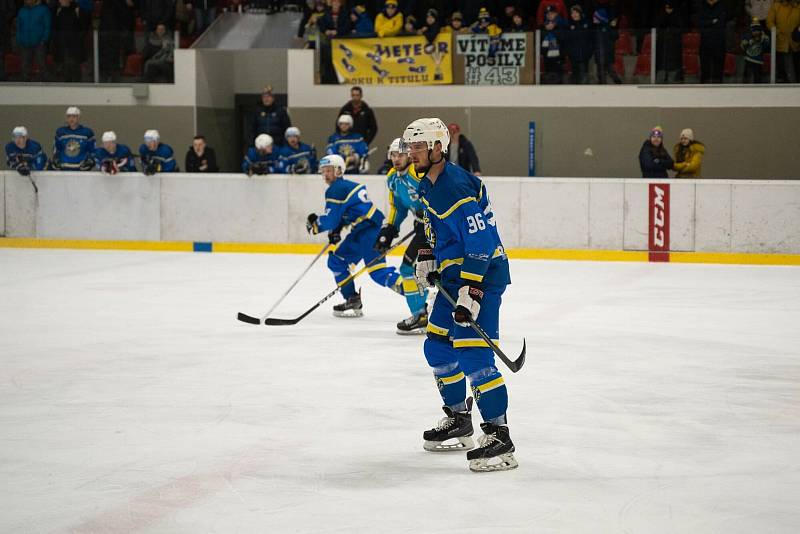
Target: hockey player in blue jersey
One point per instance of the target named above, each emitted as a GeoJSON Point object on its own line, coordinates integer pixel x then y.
{"type": "Point", "coordinates": [403, 182]}
{"type": "Point", "coordinates": [467, 256]}
{"type": "Point", "coordinates": [296, 157]}
{"type": "Point", "coordinates": [155, 155]}
{"type": "Point", "coordinates": [74, 145]}
{"type": "Point", "coordinates": [347, 204]}
{"type": "Point", "coordinates": [260, 159]}
{"type": "Point", "coordinates": [24, 154]}
{"type": "Point", "coordinates": [350, 145]}
{"type": "Point", "coordinates": [113, 157]}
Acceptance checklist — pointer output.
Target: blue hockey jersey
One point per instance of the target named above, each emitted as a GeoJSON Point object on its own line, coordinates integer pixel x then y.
{"type": "Point", "coordinates": [347, 203]}
{"type": "Point", "coordinates": [347, 144]}
{"type": "Point", "coordinates": [32, 155]}
{"type": "Point", "coordinates": [122, 156]}
{"type": "Point", "coordinates": [300, 160]}
{"type": "Point", "coordinates": [73, 148]}
{"type": "Point", "coordinates": [403, 195]}
{"type": "Point", "coordinates": [162, 156]}
{"type": "Point", "coordinates": [460, 225]}
{"type": "Point", "coordinates": [259, 163]}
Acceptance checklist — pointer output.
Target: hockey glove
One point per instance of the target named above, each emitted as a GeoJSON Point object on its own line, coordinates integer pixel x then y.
{"type": "Point", "coordinates": [425, 270]}
{"type": "Point", "coordinates": [109, 166]}
{"type": "Point", "coordinates": [87, 164]}
{"type": "Point", "coordinates": [334, 236]}
{"type": "Point", "coordinates": [311, 224]}
{"type": "Point", "coordinates": [150, 168]}
{"type": "Point", "coordinates": [385, 237]}
{"type": "Point", "coordinates": [468, 305]}
{"type": "Point", "coordinates": [23, 170]}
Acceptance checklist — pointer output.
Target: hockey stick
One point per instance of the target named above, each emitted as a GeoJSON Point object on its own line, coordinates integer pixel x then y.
{"type": "Point", "coordinates": [513, 365]}
{"type": "Point", "coordinates": [258, 320]}
{"type": "Point", "coordinates": [272, 321]}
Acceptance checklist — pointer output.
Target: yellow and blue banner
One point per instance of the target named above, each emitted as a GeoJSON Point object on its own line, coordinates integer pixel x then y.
{"type": "Point", "coordinates": [393, 60]}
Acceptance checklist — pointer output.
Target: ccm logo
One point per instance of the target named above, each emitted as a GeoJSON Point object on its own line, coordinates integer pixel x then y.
{"type": "Point", "coordinates": [658, 242]}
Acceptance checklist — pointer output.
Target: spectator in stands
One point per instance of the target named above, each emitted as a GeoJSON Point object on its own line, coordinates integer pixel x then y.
{"type": "Point", "coordinates": [389, 22]}
{"type": "Point", "coordinates": [430, 29]}
{"type": "Point", "coordinates": [270, 117]}
{"type": "Point", "coordinates": [506, 19]}
{"type": "Point", "coordinates": [117, 21]}
{"type": "Point", "coordinates": [485, 24]}
{"type": "Point", "coordinates": [309, 25]}
{"type": "Point", "coordinates": [200, 157]}
{"type": "Point", "coordinates": [74, 145]}
{"type": "Point", "coordinates": [159, 56]}
{"type": "Point", "coordinates": [205, 11]}
{"type": "Point", "coordinates": [8, 10]}
{"type": "Point", "coordinates": [364, 122]}
{"type": "Point", "coordinates": [604, 22]}
{"type": "Point", "coordinates": [577, 40]}
{"type": "Point", "coordinates": [759, 9]}
{"type": "Point", "coordinates": [260, 158]}
{"type": "Point", "coordinates": [33, 32]}
{"type": "Point", "coordinates": [654, 159]}
{"type": "Point", "coordinates": [669, 22]}
{"type": "Point", "coordinates": [114, 157]}
{"type": "Point", "coordinates": [712, 22]}
{"type": "Point", "coordinates": [558, 5]}
{"type": "Point", "coordinates": [755, 44]}
{"type": "Point", "coordinates": [156, 156]}
{"type": "Point", "coordinates": [361, 25]}
{"type": "Point", "coordinates": [67, 40]}
{"type": "Point", "coordinates": [461, 151]}
{"type": "Point", "coordinates": [688, 156]}
{"type": "Point", "coordinates": [350, 145]}
{"type": "Point", "coordinates": [517, 24]}
{"type": "Point", "coordinates": [784, 16]}
{"type": "Point", "coordinates": [24, 154]}
{"type": "Point", "coordinates": [296, 157]}
{"type": "Point", "coordinates": [410, 25]}
{"type": "Point", "coordinates": [551, 47]}
{"type": "Point", "coordinates": [155, 12]}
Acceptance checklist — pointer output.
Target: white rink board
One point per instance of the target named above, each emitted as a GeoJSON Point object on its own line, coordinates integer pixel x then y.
{"type": "Point", "coordinates": [656, 398]}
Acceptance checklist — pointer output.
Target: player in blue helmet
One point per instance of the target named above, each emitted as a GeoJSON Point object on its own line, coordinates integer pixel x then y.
{"type": "Point", "coordinates": [114, 157]}
{"type": "Point", "coordinates": [347, 204]}
{"type": "Point", "coordinates": [260, 159]}
{"type": "Point", "coordinates": [74, 145]}
{"type": "Point", "coordinates": [467, 257]}
{"type": "Point", "coordinates": [156, 156]}
{"type": "Point", "coordinates": [296, 157]}
{"type": "Point", "coordinates": [403, 182]}
{"type": "Point", "coordinates": [24, 154]}
{"type": "Point", "coordinates": [350, 145]}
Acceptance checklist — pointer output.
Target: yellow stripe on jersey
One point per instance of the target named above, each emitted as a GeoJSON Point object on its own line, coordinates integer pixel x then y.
{"type": "Point", "coordinates": [449, 263]}
{"type": "Point", "coordinates": [410, 286]}
{"type": "Point", "coordinates": [447, 380]}
{"type": "Point", "coordinates": [438, 330]}
{"type": "Point", "coordinates": [353, 192]}
{"type": "Point", "coordinates": [488, 386]}
{"type": "Point", "coordinates": [450, 211]}
{"type": "Point", "coordinates": [472, 276]}
{"type": "Point", "coordinates": [363, 218]}
{"type": "Point", "coordinates": [472, 343]}
{"type": "Point", "coordinates": [392, 209]}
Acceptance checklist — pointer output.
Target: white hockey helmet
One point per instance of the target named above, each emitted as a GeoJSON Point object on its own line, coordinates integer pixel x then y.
{"type": "Point", "coordinates": [426, 131]}
{"type": "Point", "coordinates": [109, 137]}
{"type": "Point", "coordinates": [152, 135]}
{"type": "Point", "coordinates": [73, 110]}
{"type": "Point", "coordinates": [394, 146]}
{"type": "Point", "coordinates": [19, 131]}
{"type": "Point", "coordinates": [333, 160]}
{"type": "Point", "coordinates": [345, 119]}
{"type": "Point", "coordinates": [263, 141]}
{"type": "Point", "coordinates": [292, 131]}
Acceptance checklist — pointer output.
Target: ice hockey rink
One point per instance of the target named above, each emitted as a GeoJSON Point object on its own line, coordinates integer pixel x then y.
{"type": "Point", "coordinates": [656, 398]}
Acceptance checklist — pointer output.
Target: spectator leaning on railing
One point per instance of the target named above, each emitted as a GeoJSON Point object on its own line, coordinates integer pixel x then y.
{"type": "Point", "coordinates": [688, 156]}
{"type": "Point", "coordinates": [456, 24]}
{"type": "Point", "coordinates": [389, 22]}
{"type": "Point", "coordinates": [784, 16]}
{"type": "Point", "coordinates": [156, 156]}
{"type": "Point", "coordinates": [654, 159]}
{"type": "Point", "coordinates": [200, 157]}
{"type": "Point", "coordinates": [113, 157]}
{"type": "Point", "coordinates": [350, 145]}
{"type": "Point", "coordinates": [360, 23]}
{"type": "Point", "coordinates": [74, 145]}
{"type": "Point", "coordinates": [24, 154]}
{"type": "Point", "coordinates": [260, 158]}
{"type": "Point", "coordinates": [33, 31]}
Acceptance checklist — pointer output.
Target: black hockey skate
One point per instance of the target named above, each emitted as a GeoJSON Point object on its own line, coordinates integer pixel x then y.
{"type": "Point", "coordinates": [416, 324]}
{"type": "Point", "coordinates": [352, 307]}
{"type": "Point", "coordinates": [456, 426]}
{"type": "Point", "coordinates": [495, 450]}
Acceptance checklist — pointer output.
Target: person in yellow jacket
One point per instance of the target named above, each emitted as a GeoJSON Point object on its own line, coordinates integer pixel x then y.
{"type": "Point", "coordinates": [389, 22]}
{"type": "Point", "coordinates": [688, 156]}
{"type": "Point", "coordinates": [784, 15]}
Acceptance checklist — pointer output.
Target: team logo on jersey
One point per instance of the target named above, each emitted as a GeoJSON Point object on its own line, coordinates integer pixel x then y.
{"type": "Point", "coordinates": [476, 393]}
{"type": "Point", "coordinates": [73, 148]}
{"type": "Point", "coordinates": [430, 235]}
{"type": "Point", "coordinates": [345, 150]}
{"type": "Point", "coordinates": [439, 383]}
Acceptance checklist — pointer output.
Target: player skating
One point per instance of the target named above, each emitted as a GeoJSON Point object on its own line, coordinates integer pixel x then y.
{"type": "Point", "coordinates": [403, 182]}
{"type": "Point", "coordinates": [467, 257]}
{"type": "Point", "coordinates": [347, 204]}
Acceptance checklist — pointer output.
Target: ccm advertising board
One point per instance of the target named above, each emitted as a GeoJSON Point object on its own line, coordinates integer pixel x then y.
{"type": "Point", "coordinates": [393, 61]}
{"type": "Point", "coordinates": [492, 61]}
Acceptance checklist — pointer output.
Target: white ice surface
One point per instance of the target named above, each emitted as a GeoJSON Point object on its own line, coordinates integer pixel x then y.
{"type": "Point", "coordinates": [656, 398]}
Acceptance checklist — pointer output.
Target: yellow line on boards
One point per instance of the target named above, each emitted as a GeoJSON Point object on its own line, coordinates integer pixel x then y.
{"type": "Point", "coordinates": [87, 244]}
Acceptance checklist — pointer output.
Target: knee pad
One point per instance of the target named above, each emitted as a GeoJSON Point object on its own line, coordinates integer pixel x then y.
{"type": "Point", "coordinates": [337, 264]}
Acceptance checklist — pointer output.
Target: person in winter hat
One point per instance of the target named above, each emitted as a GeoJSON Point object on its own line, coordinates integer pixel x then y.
{"type": "Point", "coordinates": [654, 159]}
{"type": "Point", "coordinates": [755, 44]}
{"type": "Point", "coordinates": [688, 156]}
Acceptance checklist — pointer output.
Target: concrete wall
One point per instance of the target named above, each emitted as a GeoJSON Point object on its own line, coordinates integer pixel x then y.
{"type": "Point", "coordinates": [555, 213]}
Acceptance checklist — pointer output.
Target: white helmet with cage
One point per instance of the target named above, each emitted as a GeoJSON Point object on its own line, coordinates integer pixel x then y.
{"type": "Point", "coordinates": [333, 160]}
{"type": "Point", "coordinates": [429, 131]}
{"type": "Point", "coordinates": [394, 146]}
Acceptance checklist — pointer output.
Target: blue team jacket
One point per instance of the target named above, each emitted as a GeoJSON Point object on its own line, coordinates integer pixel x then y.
{"type": "Point", "coordinates": [32, 155]}
{"type": "Point", "coordinates": [300, 160]}
{"type": "Point", "coordinates": [403, 195]}
{"type": "Point", "coordinates": [162, 155]}
{"type": "Point", "coordinates": [344, 145]}
{"type": "Point", "coordinates": [253, 158]}
{"type": "Point", "coordinates": [347, 203]}
{"type": "Point", "coordinates": [123, 153]}
{"type": "Point", "coordinates": [73, 147]}
{"type": "Point", "coordinates": [459, 223]}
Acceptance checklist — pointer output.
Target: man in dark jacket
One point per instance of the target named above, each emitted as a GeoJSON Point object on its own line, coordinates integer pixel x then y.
{"type": "Point", "coordinates": [461, 151]}
{"type": "Point", "coordinates": [270, 118]}
{"type": "Point", "coordinates": [712, 21]}
{"type": "Point", "coordinates": [654, 159]}
{"type": "Point", "coordinates": [116, 34]}
{"type": "Point", "coordinates": [364, 122]}
{"type": "Point", "coordinates": [670, 21]}
{"type": "Point", "coordinates": [68, 45]}
{"type": "Point", "coordinates": [577, 39]}
{"type": "Point", "coordinates": [201, 157]}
